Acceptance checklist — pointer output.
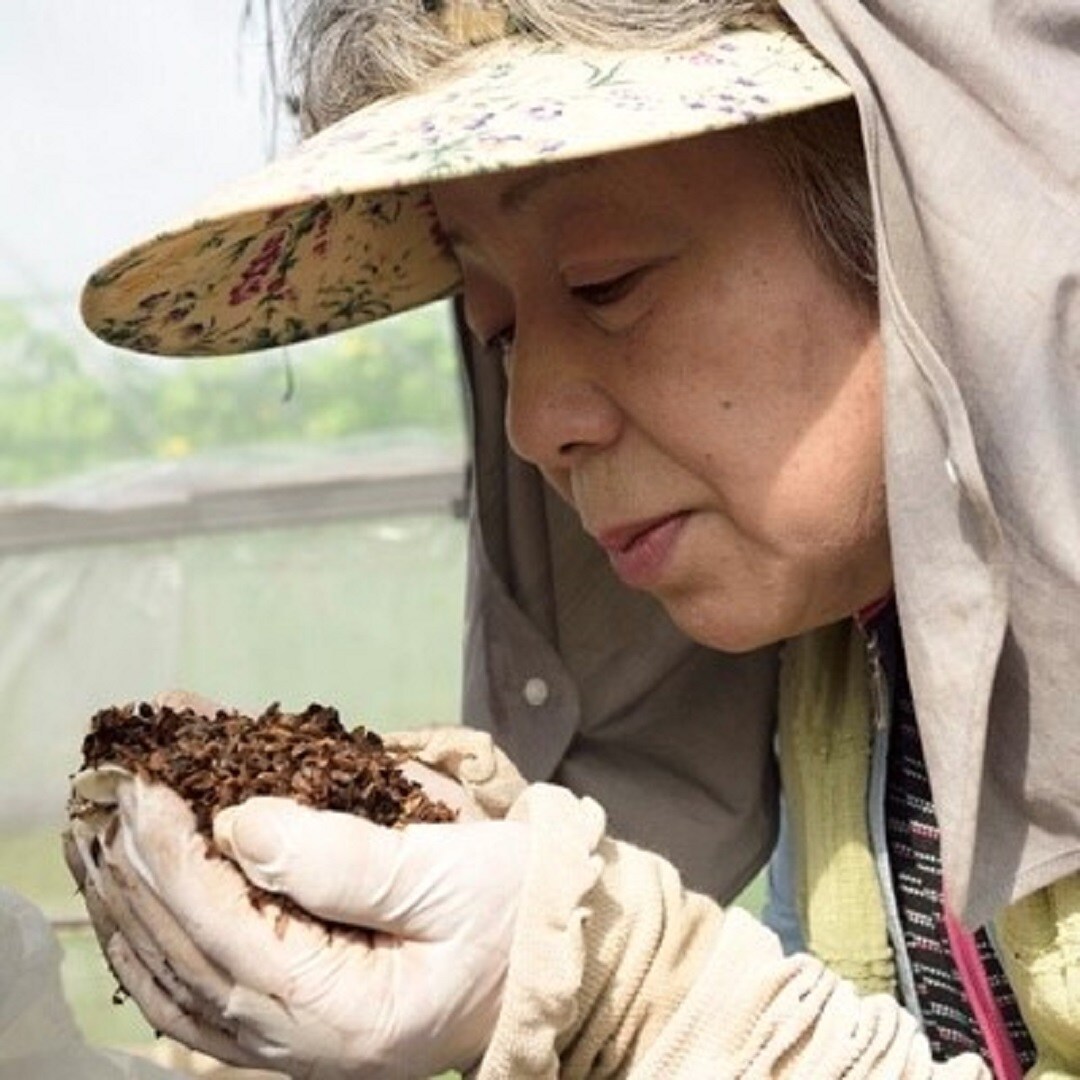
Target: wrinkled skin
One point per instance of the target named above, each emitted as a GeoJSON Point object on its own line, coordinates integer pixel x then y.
{"type": "Point", "coordinates": [677, 352]}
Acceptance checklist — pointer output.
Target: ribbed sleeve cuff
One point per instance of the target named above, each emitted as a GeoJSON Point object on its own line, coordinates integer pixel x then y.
{"type": "Point", "coordinates": [541, 1007]}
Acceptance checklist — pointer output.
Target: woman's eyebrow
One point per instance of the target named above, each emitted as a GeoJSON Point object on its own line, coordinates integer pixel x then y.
{"type": "Point", "coordinates": [517, 195]}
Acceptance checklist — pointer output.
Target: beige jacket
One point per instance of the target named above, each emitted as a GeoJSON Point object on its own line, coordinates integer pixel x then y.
{"type": "Point", "coordinates": [617, 970]}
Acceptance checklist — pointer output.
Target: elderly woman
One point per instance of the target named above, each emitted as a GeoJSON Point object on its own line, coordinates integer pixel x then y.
{"type": "Point", "coordinates": [766, 352]}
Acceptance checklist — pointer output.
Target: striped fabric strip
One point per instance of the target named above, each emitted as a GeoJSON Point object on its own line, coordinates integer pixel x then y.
{"type": "Point", "coordinates": [1006, 1001]}
{"type": "Point", "coordinates": [914, 853]}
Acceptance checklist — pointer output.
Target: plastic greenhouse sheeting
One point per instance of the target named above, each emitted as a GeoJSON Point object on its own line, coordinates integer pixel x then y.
{"type": "Point", "coordinates": [363, 613]}
{"type": "Point", "coordinates": [237, 527]}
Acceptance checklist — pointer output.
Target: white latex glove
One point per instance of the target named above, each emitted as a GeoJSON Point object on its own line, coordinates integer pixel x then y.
{"type": "Point", "coordinates": [424, 992]}
{"type": "Point", "coordinates": [416, 993]}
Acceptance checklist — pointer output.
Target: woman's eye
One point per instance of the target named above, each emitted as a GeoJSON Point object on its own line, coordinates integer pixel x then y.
{"type": "Point", "coordinates": [610, 290]}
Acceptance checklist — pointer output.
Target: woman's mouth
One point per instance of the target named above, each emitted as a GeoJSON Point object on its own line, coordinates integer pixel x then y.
{"type": "Point", "coordinates": [640, 552]}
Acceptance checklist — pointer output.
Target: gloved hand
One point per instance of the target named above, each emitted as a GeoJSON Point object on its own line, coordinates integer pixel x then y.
{"type": "Point", "coordinates": [415, 991]}
{"type": "Point", "coordinates": [537, 941]}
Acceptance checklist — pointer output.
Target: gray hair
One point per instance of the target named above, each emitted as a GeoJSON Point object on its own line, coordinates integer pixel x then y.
{"type": "Point", "coordinates": [821, 156]}
{"type": "Point", "coordinates": [348, 53]}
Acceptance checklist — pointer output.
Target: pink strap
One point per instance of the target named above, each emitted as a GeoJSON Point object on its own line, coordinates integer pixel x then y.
{"type": "Point", "coordinates": [1003, 1057]}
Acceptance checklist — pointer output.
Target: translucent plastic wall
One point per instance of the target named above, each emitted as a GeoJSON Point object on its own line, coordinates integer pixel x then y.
{"type": "Point", "coordinates": [363, 614]}
{"type": "Point", "coordinates": [253, 545]}
{"type": "Point", "coordinates": [285, 526]}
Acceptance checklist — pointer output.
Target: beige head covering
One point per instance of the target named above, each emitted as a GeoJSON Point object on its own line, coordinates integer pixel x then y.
{"type": "Point", "coordinates": [974, 154]}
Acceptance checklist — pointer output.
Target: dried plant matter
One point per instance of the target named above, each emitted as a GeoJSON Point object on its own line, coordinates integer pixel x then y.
{"type": "Point", "coordinates": [218, 761]}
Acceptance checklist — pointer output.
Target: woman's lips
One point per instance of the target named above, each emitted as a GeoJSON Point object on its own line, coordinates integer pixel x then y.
{"type": "Point", "coordinates": [640, 552]}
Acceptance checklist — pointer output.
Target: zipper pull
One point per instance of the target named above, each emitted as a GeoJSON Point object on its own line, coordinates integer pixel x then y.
{"type": "Point", "coordinates": [878, 695]}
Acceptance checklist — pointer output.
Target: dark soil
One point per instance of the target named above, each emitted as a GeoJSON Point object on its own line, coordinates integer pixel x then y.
{"type": "Point", "coordinates": [218, 761]}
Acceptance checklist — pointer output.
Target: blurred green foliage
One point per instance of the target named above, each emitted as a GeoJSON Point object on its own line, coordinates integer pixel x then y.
{"type": "Point", "coordinates": [68, 404]}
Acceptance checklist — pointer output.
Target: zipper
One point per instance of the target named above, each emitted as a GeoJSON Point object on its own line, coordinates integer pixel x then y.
{"type": "Point", "coordinates": [881, 722]}
{"type": "Point", "coordinates": [972, 973]}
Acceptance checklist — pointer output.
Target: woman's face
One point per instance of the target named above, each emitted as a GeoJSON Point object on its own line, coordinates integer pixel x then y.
{"type": "Point", "coordinates": [689, 377]}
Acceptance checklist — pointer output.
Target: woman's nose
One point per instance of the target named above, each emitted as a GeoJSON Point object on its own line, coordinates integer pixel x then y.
{"type": "Point", "coordinates": [557, 407]}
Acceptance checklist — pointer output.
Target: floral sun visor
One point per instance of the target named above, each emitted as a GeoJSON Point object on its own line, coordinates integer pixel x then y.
{"type": "Point", "coordinates": [341, 231]}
